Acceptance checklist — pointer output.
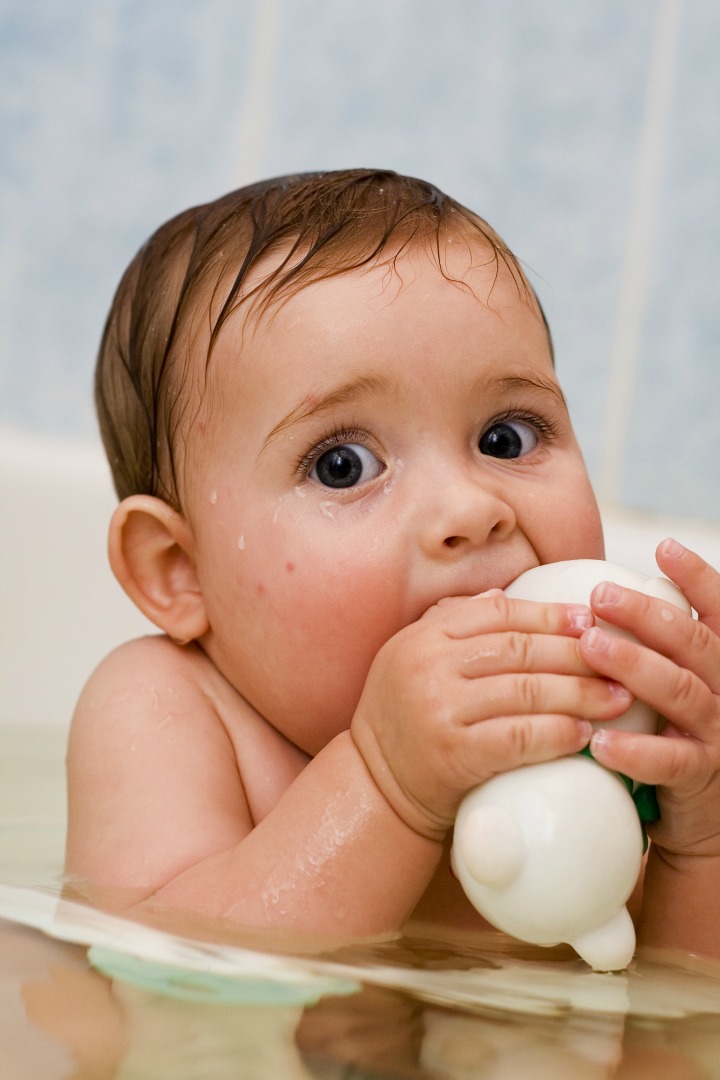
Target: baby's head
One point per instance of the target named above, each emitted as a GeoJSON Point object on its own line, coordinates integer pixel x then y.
{"type": "Point", "coordinates": [330, 401]}
{"type": "Point", "coordinates": [248, 250]}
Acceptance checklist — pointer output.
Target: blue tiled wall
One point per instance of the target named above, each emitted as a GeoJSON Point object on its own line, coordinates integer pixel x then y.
{"type": "Point", "coordinates": [587, 133]}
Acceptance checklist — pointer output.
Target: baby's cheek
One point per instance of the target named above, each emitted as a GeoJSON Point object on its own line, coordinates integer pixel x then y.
{"type": "Point", "coordinates": [343, 614]}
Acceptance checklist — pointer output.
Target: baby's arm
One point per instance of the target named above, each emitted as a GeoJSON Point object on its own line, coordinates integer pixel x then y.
{"type": "Point", "coordinates": [677, 671]}
{"type": "Point", "coordinates": [161, 795]}
{"type": "Point", "coordinates": [159, 816]}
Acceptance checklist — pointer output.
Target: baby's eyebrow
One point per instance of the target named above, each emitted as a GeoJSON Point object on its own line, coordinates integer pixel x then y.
{"type": "Point", "coordinates": [533, 381]}
{"type": "Point", "coordinates": [368, 385]}
{"type": "Point", "coordinates": [315, 404]}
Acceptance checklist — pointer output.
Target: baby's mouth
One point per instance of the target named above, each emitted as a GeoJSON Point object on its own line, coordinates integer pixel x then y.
{"type": "Point", "coordinates": [492, 581]}
{"type": "Point", "coordinates": [477, 576]}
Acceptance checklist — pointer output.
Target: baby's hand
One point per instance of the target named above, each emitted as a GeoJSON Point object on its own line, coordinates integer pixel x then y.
{"type": "Point", "coordinates": [676, 670]}
{"type": "Point", "coordinates": [477, 686]}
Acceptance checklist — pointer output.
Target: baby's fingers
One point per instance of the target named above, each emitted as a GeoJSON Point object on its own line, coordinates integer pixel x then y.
{"type": "Point", "coordinates": [494, 654]}
{"type": "Point", "coordinates": [670, 760]}
{"type": "Point", "coordinates": [529, 693]}
{"type": "Point", "coordinates": [662, 627]}
{"type": "Point", "coordinates": [695, 578]}
{"type": "Point", "coordinates": [678, 694]}
{"type": "Point", "coordinates": [508, 742]}
{"type": "Point", "coordinates": [493, 612]}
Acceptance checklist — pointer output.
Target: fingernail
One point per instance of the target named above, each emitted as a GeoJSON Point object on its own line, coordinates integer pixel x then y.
{"type": "Point", "coordinates": [596, 640]}
{"type": "Point", "coordinates": [585, 730]}
{"type": "Point", "coordinates": [580, 617]}
{"type": "Point", "coordinates": [672, 548]}
{"type": "Point", "coordinates": [600, 739]}
{"type": "Point", "coordinates": [619, 691]}
{"type": "Point", "coordinates": [607, 592]}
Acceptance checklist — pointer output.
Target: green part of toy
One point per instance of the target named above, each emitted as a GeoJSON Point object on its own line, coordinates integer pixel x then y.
{"type": "Point", "coordinates": [646, 803]}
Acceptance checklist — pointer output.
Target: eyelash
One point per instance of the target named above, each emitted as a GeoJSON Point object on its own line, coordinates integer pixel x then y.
{"type": "Point", "coordinates": [335, 437]}
{"type": "Point", "coordinates": [546, 428]}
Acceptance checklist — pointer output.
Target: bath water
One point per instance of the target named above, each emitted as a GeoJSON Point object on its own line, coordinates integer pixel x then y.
{"type": "Point", "coordinates": [84, 996]}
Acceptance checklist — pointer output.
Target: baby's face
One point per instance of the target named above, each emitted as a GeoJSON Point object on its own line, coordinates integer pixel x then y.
{"type": "Point", "coordinates": [380, 441]}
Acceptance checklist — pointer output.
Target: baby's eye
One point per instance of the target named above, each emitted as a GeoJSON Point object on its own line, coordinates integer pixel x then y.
{"type": "Point", "coordinates": [345, 466]}
{"type": "Point", "coordinates": [509, 439]}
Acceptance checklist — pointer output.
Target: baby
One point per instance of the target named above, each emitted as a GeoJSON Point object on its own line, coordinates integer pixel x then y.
{"type": "Point", "coordinates": [335, 428]}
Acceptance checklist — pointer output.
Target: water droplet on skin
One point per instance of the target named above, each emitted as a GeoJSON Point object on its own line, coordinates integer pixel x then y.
{"type": "Point", "coordinates": [241, 543]}
{"type": "Point", "coordinates": [213, 496]}
{"type": "Point", "coordinates": [279, 505]}
{"type": "Point", "coordinates": [390, 482]}
{"type": "Point", "coordinates": [327, 509]}
{"type": "Point", "coordinates": [299, 492]}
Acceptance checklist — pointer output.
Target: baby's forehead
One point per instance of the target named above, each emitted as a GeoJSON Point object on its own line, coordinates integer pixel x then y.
{"type": "Point", "coordinates": [364, 312]}
{"type": "Point", "coordinates": [282, 290]}
{"type": "Point", "coordinates": [460, 255]}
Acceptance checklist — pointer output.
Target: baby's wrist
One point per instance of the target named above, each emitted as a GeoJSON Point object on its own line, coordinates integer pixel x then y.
{"type": "Point", "coordinates": [679, 903]}
{"type": "Point", "coordinates": [414, 816]}
{"type": "Point", "coordinates": [701, 861]}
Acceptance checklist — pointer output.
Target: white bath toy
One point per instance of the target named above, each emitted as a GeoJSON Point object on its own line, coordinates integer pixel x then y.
{"type": "Point", "coordinates": [550, 853]}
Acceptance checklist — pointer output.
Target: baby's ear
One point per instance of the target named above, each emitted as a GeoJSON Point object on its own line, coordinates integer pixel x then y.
{"type": "Point", "coordinates": [152, 554]}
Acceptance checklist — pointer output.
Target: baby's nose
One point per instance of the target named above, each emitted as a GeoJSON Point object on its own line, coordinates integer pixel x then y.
{"type": "Point", "coordinates": [466, 513]}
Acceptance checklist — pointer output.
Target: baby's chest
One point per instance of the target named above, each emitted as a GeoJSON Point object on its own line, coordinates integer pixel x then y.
{"type": "Point", "coordinates": [267, 763]}
{"type": "Point", "coordinates": [444, 906]}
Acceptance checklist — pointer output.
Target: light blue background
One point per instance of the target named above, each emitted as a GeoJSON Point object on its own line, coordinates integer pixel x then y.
{"type": "Point", "coordinates": [586, 131]}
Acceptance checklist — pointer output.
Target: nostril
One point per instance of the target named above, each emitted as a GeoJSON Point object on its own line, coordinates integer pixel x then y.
{"type": "Point", "coordinates": [454, 541]}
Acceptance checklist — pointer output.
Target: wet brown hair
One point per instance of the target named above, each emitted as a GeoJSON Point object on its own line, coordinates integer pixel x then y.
{"type": "Point", "coordinates": [193, 273]}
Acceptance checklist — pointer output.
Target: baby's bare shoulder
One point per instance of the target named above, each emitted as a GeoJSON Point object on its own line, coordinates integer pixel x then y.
{"type": "Point", "coordinates": [163, 708]}
{"type": "Point", "coordinates": [153, 778]}
{"type": "Point", "coordinates": [149, 672]}
{"type": "Point", "coordinates": [152, 655]}
{"type": "Point", "coordinates": [142, 686]}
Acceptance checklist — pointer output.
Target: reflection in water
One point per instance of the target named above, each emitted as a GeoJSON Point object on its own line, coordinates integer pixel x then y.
{"type": "Point", "coordinates": [534, 1019]}
{"type": "Point", "coordinates": [171, 1039]}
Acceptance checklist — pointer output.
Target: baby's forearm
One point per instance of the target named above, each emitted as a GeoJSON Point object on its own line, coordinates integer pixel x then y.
{"type": "Point", "coordinates": [681, 904]}
{"type": "Point", "coordinates": [332, 859]}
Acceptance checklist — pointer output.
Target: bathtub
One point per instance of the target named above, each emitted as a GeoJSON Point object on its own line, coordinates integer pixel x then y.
{"type": "Point", "coordinates": [157, 1007]}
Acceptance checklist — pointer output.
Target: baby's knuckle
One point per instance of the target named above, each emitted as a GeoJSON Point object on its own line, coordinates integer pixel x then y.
{"type": "Point", "coordinates": [521, 739]}
{"type": "Point", "coordinates": [678, 767]}
{"type": "Point", "coordinates": [440, 716]}
{"type": "Point", "coordinates": [500, 605]}
{"type": "Point", "coordinates": [686, 688]}
{"type": "Point", "coordinates": [441, 607]}
{"type": "Point", "coordinates": [415, 645]}
{"type": "Point", "coordinates": [519, 648]}
{"type": "Point", "coordinates": [701, 636]}
{"type": "Point", "coordinates": [528, 691]}
{"type": "Point", "coordinates": [641, 602]}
